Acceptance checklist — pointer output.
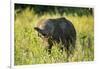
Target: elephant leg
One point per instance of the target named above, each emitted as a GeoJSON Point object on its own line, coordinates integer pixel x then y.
{"type": "Point", "coordinates": [66, 47]}
{"type": "Point", "coordinates": [50, 46]}
{"type": "Point", "coordinates": [49, 49]}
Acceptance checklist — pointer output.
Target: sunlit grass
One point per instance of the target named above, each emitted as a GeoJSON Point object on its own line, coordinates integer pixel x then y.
{"type": "Point", "coordinates": [29, 48]}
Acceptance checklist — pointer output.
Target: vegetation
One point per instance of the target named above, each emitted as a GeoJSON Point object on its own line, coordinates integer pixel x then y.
{"type": "Point", "coordinates": [30, 49]}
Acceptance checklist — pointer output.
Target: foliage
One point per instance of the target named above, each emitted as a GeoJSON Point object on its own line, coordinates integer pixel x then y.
{"type": "Point", "coordinates": [42, 9]}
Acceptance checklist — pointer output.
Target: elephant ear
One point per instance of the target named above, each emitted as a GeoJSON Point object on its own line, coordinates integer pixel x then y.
{"type": "Point", "coordinates": [40, 31]}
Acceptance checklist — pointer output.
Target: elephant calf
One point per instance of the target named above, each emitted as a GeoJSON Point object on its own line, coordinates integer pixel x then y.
{"type": "Point", "coordinates": [57, 30]}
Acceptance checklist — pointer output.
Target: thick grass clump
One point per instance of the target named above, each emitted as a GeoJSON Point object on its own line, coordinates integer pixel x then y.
{"type": "Point", "coordinates": [30, 49]}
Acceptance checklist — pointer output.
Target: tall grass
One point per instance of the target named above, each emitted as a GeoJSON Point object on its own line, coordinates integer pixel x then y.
{"type": "Point", "coordinates": [30, 49]}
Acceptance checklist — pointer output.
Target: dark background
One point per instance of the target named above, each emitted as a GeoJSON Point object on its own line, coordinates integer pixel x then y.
{"type": "Point", "coordinates": [42, 9]}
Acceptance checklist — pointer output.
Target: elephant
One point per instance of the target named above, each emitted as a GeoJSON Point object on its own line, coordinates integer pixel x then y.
{"type": "Point", "coordinates": [57, 30]}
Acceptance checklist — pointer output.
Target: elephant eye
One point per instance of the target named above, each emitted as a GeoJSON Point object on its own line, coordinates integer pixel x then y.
{"type": "Point", "coordinates": [44, 34]}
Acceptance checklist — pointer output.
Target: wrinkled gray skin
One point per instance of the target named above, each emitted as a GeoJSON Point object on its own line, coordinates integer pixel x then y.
{"type": "Point", "coordinates": [58, 30]}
